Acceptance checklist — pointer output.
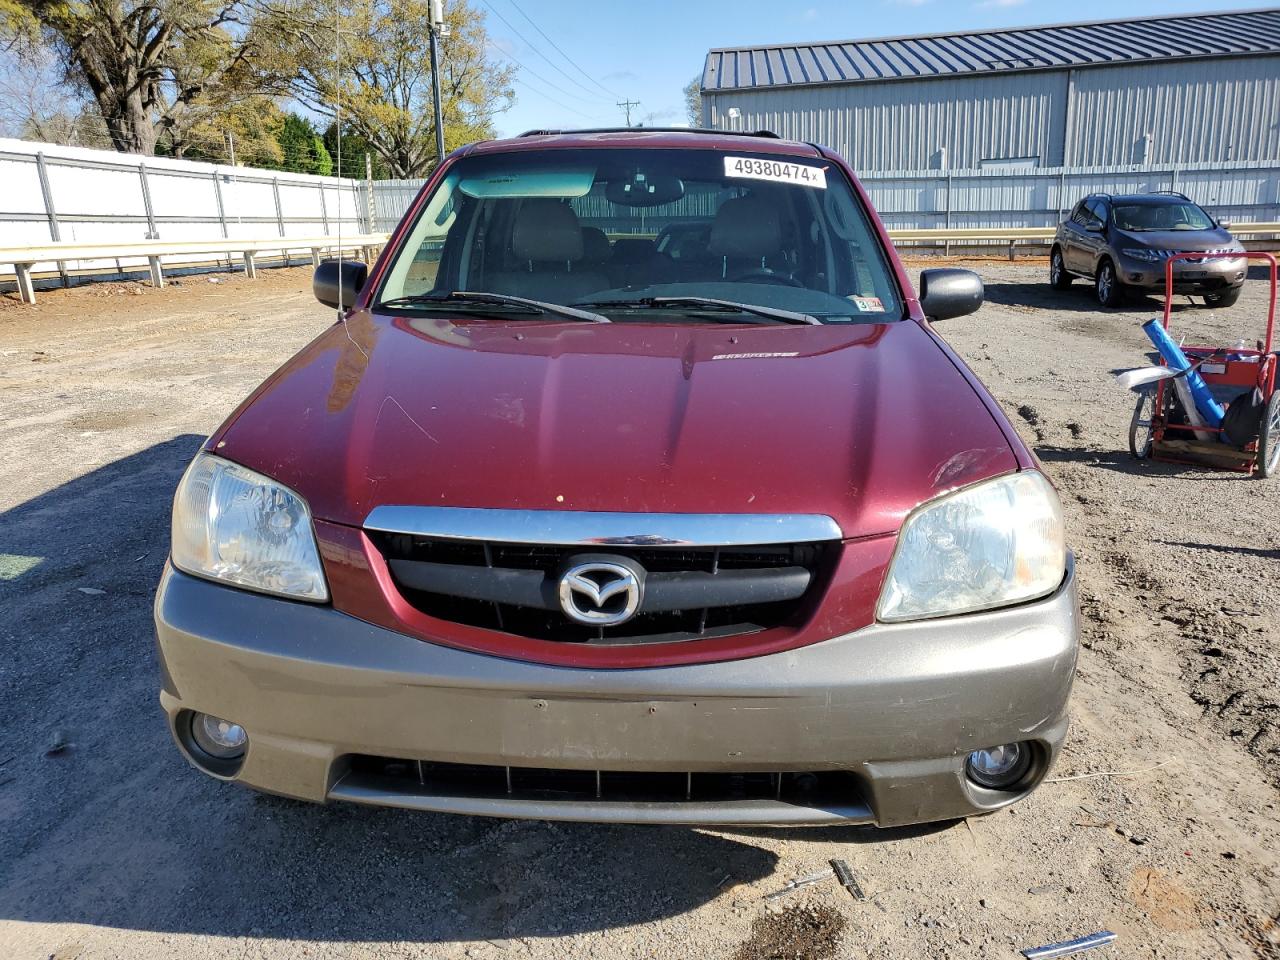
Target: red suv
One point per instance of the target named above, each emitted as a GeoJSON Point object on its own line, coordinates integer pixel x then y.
{"type": "Point", "coordinates": [555, 523]}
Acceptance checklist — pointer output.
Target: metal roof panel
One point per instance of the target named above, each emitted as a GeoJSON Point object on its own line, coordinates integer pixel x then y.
{"type": "Point", "coordinates": [1233, 33]}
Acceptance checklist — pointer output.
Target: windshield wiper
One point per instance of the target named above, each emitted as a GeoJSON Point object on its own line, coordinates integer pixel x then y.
{"type": "Point", "coordinates": [706, 303]}
{"type": "Point", "coordinates": [470, 298]}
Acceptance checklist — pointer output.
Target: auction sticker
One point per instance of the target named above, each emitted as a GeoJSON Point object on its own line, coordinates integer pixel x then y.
{"type": "Point", "coordinates": [868, 304]}
{"type": "Point", "coordinates": [778, 171]}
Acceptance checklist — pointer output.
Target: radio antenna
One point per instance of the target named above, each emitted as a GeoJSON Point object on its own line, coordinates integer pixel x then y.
{"type": "Point", "coordinates": [337, 119]}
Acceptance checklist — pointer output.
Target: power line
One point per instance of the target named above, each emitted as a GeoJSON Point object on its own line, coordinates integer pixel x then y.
{"type": "Point", "coordinates": [531, 46]}
{"type": "Point", "coordinates": [548, 96]}
{"type": "Point", "coordinates": [556, 47]}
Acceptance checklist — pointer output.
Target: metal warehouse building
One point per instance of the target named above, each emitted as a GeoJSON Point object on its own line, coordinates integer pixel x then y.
{"type": "Point", "coordinates": [1191, 89]}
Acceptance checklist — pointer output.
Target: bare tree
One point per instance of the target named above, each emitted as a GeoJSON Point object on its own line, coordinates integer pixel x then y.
{"type": "Point", "coordinates": [693, 101]}
{"type": "Point", "coordinates": [383, 78]}
{"type": "Point", "coordinates": [152, 67]}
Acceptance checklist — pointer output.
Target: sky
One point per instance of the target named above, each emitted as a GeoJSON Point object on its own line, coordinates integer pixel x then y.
{"type": "Point", "coordinates": [647, 50]}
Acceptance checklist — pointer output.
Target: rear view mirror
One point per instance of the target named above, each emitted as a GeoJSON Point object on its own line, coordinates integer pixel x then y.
{"type": "Point", "coordinates": [337, 283]}
{"type": "Point", "coordinates": [644, 191]}
{"type": "Point", "coordinates": [948, 292]}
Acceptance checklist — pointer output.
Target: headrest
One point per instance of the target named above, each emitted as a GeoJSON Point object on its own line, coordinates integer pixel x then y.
{"type": "Point", "coordinates": [633, 250]}
{"type": "Point", "coordinates": [745, 228]}
{"type": "Point", "coordinates": [595, 245]}
{"type": "Point", "coordinates": [546, 229]}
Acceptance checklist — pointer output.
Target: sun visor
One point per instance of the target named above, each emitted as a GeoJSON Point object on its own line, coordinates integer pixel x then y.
{"type": "Point", "coordinates": [503, 185]}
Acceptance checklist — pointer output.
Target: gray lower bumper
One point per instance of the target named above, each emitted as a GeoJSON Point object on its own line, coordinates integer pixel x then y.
{"type": "Point", "coordinates": [1213, 274]}
{"type": "Point", "coordinates": [900, 706]}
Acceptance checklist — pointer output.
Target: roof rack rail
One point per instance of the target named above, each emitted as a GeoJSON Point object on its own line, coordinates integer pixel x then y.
{"type": "Point", "coordinates": [1171, 193]}
{"type": "Point", "coordinates": [719, 133]}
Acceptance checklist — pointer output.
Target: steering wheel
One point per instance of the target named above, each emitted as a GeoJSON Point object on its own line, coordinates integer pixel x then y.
{"type": "Point", "coordinates": [764, 275]}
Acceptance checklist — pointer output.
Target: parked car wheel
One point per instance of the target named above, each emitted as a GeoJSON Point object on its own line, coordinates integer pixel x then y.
{"type": "Point", "coordinates": [1107, 285]}
{"type": "Point", "coordinates": [1140, 429]}
{"type": "Point", "coordinates": [1059, 279]}
{"type": "Point", "coordinates": [1223, 298]}
{"type": "Point", "coordinates": [1269, 439]}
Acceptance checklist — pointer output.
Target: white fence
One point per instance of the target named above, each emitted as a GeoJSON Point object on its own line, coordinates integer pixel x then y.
{"type": "Point", "coordinates": [391, 198]}
{"type": "Point", "coordinates": [75, 195]}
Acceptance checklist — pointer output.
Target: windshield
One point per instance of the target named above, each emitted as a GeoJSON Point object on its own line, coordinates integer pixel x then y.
{"type": "Point", "coordinates": [1141, 217]}
{"type": "Point", "coordinates": [622, 232]}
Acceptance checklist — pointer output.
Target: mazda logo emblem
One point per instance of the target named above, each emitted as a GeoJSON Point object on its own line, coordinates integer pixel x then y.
{"type": "Point", "coordinates": [601, 592]}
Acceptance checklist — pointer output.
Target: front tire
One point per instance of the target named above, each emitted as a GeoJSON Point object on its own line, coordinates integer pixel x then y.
{"type": "Point", "coordinates": [1223, 298]}
{"type": "Point", "coordinates": [1059, 279]}
{"type": "Point", "coordinates": [1141, 429]}
{"type": "Point", "coordinates": [1107, 285]}
{"type": "Point", "coordinates": [1269, 439]}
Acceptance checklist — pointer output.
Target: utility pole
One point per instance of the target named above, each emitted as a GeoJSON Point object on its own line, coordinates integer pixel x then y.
{"type": "Point", "coordinates": [231, 146]}
{"type": "Point", "coordinates": [438, 29]}
{"type": "Point", "coordinates": [626, 105]}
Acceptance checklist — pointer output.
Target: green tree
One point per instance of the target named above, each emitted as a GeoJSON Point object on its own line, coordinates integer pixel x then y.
{"type": "Point", "coordinates": [383, 75]}
{"type": "Point", "coordinates": [303, 149]}
{"type": "Point", "coordinates": [354, 149]}
{"type": "Point", "coordinates": [249, 129]}
{"type": "Point", "coordinates": [154, 68]}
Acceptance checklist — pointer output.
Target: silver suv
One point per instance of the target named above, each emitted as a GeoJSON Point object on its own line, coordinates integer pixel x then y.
{"type": "Point", "coordinates": [1121, 243]}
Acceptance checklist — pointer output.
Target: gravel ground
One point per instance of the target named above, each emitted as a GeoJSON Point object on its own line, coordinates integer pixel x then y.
{"type": "Point", "coordinates": [111, 846]}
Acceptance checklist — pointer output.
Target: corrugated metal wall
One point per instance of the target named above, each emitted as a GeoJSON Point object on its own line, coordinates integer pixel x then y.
{"type": "Point", "coordinates": [919, 199]}
{"type": "Point", "coordinates": [902, 125]}
{"type": "Point", "coordinates": [1196, 112]}
{"type": "Point", "coordinates": [1207, 111]}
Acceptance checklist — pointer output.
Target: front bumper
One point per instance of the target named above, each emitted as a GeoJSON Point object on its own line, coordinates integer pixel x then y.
{"type": "Point", "coordinates": [895, 707]}
{"type": "Point", "coordinates": [1216, 272]}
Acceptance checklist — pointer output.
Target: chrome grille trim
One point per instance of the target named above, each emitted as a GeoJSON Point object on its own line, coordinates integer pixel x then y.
{"type": "Point", "coordinates": [580, 528]}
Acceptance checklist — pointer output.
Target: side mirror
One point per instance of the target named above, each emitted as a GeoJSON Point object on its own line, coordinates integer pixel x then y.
{"type": "Point", "coordinates": [948, 292]}
{"type": "Point", "coordinates": [1223, 225]}
{"type": "Point", "coordinates": [337, 283]}
{"type": "Point", "coordinates": [1093, 228]}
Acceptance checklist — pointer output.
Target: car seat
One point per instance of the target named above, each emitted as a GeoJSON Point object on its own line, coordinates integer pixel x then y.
{"type": "Point", "coordinates": [745, 235]}
{"type": "Point", "coordinates": [596, 250]}
{"type": "Point", "coordinates": [547, 243]}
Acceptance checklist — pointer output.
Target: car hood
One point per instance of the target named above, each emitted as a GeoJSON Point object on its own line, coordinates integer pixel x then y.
{"type": "Point", "coordinates": [1185, 241]}
{"type": "Point", "coordinates": [857, 422]}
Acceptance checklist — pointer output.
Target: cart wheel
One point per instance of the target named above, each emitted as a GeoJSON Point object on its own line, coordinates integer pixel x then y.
{"type": "Point", "coordinates": [1140, 428]}
{"type": "Point", "coordinates": [1269, 438]}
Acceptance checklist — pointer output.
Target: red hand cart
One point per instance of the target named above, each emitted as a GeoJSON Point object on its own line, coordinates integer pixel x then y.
{"type": "Point", "coordinates": [1160, 428]}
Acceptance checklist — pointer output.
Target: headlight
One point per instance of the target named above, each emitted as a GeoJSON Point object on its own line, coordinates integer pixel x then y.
{"type": "Point", "coordinates": [989, 545]}
{"type": "Point", "coordinates": [234, 525]}
{"type": "Point", "coordinates": [1139, 253]}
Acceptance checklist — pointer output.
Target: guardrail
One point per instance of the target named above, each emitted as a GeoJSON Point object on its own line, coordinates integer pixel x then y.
{"type": "Point", "coordinates": [25, 258]}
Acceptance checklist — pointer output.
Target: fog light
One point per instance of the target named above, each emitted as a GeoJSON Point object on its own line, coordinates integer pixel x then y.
{"type": "Point", "coordinates": [999, 768]}
{"type": "Point", "coordinates": [217, 737]}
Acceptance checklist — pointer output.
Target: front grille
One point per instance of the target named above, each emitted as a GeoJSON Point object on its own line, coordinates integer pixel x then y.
{"type": "Point", "coordinates": [691, 593]}
{"type": "Point", "coordinates": [807, 788]}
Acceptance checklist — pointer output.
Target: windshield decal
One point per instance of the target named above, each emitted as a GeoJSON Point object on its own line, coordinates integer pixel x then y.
{"type": "Point", "coordinates": [750, 168]}
{"type": "Point", "coordinates": [868, 304]}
